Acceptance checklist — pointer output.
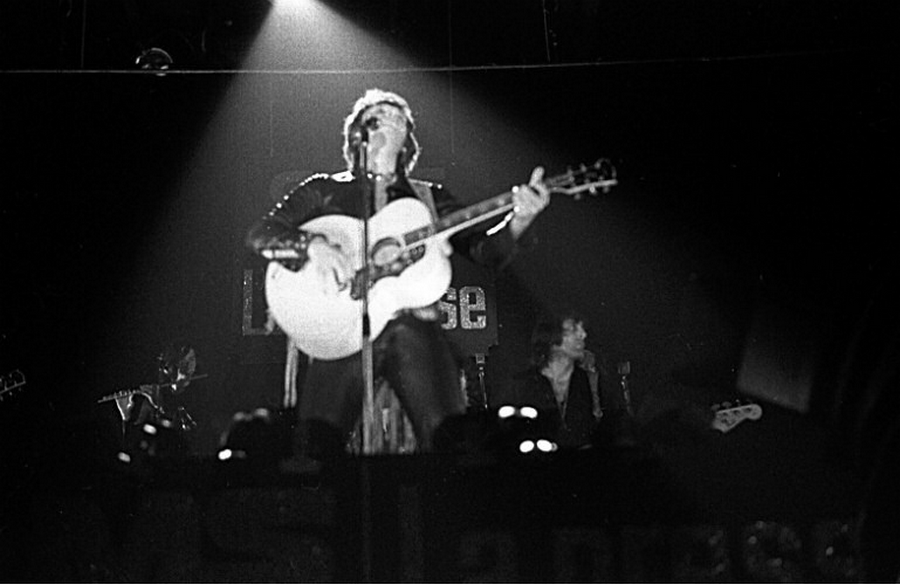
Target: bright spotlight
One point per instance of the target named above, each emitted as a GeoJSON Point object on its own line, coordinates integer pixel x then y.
{"type": "Point", "coordinates": [526, 446]}
{"type": "Point", "coordinates": [150, 429]}
{"type": "Point", "coordinates": [546, 446]}
{"type": "Point", "coordinates": [506, 411]}
{"type": "Point", "coordinates": [123, 457]}
{"type": "Point", "coordinates": [528, 412]}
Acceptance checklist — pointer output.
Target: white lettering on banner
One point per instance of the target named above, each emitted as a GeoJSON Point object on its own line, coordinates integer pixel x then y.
{"type": "Point", "coordinates": [247, 313]}
{"type": "Point", "coordinates": [464, 308]}
{"type": "Point", "coordinates": [460, 308]}
{"type": "Point", "coordinates": [447, 307]}
{"type": "Point", "coordinates": [471, 299]}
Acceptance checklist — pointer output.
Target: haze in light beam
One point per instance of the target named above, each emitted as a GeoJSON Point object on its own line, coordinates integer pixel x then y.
{"type": "Point", "coordinates": [307, 35]}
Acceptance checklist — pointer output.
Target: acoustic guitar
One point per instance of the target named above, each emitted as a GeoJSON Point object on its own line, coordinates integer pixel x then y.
{"type": "Point", "coordinates": [406, 268]}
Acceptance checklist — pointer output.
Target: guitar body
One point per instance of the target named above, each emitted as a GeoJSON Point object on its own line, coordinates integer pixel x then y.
{"type": "Point", "coordinates": [325, 321]}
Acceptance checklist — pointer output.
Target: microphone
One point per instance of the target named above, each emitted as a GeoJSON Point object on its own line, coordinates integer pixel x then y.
{"type": "Point", "coordinates": [361, 134]}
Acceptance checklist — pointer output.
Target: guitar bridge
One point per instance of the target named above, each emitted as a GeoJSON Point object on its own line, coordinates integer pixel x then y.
{"type": "Point", "coordinates": [394, 268]}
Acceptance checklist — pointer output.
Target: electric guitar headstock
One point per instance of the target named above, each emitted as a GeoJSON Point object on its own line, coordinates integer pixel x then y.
{"type": "Point", "coordinates": [727, 415]}
{"type": "Point", "coordinates": [599, 177]}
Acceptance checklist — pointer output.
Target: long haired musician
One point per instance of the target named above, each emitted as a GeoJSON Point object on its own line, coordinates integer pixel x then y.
{"type": "Point", "coordinates": [317, 282]}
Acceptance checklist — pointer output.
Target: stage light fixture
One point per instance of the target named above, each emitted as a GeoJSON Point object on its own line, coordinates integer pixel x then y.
{"type": "Point", "coordinates": [506, 411]}
{"type": "Point", "coordinates": [546, 446]}
{"type": "Point", "coordinates": [528, 412]}
{"type": "Point", "coordinates": [228, 454]}
{"type": "Point", "coordinates": [154, 59]}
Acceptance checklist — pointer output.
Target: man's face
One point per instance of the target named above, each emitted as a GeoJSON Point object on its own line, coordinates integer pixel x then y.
{"type": "Point", "coordinates": [390, 131]}
{"type": "Point", "coordinates": [573, 336]}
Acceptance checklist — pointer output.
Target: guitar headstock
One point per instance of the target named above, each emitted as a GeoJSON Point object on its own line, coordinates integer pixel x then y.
{"type": "Point", "coordinates": [599, 177]}
{"type": "Point", "coordinates": [728, 415]}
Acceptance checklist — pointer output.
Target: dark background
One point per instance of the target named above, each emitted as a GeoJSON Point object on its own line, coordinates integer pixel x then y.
{"type": "Point", "coordinates": [749, 248]}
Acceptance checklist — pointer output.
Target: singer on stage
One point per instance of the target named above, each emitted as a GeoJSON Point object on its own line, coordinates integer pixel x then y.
{"type": "Point", "coordinates": [411, 352]}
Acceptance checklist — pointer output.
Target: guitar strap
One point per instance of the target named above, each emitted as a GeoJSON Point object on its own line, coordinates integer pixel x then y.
{"type": "Point", "coordinates": [291, 367]}
{"type": "Point", "coordinates": [423, 191]}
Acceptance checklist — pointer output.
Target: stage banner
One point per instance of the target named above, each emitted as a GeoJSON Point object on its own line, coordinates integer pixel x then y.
{"type": "Point", "coordinates": [468, 312]}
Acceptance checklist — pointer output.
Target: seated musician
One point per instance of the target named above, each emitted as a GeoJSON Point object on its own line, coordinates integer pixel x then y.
{"type": "Point", "coordinates": [410, 352]}
{"type": "Point", "coordinates": [159, 404]}
{"type": "Point", "coordinates": [562, 383]}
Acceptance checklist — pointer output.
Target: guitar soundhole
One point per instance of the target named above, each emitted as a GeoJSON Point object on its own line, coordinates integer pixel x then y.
{"type": "Point", "coordinates": [385, 252]}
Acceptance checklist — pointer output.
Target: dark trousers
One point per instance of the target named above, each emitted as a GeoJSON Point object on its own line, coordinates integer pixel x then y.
{"type": "Point", "coordinates": [416, 360]}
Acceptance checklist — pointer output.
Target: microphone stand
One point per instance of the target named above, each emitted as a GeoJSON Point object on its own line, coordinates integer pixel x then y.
{"type": "Point", "coordinates": [480, 362]}
{"type": "Point", "coordinates": [368, 367]}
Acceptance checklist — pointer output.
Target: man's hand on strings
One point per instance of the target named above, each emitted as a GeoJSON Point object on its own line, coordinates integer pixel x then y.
{"type": "Point", "coordinates": [528, 201]}
{"type": "Point", "coordinates": [331, 265]}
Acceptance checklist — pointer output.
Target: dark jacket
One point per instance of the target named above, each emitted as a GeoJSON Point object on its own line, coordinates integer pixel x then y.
{"type": "Point", "coordinates": [572, 430]}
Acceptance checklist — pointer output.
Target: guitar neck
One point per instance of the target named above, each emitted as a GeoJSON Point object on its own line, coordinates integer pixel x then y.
{"type": "Point", "coordinates": [129, 392]}
{"type": "Point", "coordinates": [566, 184]}
{"type": "Point", "coordinates": [9, 389]}
{"type": "Point", "coordinates": [146, 388]}
{"type": "Point", "coordinates": [461, 219]}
